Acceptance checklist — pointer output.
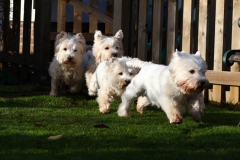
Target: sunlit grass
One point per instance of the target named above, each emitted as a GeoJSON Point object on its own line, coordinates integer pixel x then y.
{"type": "Point", "coordinates": [27, 122]}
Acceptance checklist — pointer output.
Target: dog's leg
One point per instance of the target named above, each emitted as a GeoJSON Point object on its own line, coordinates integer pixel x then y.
{"type": "Point", "coordinates": [88, 76]}
{"type": "Point", "coordinates": [171, 108]}
{"type": "Point", "coordinates": [104, 100]}
{"type": "Point", "coordinates": [132, 93]}
{"type": "Point", "coordinates": [93, 86]}
{"type": "Point", "coordinates": [196, 108]}
{"type": "Point", "coordinates": [75, 88]}
{"type": "Point", "coordinates": [142, 103]}
{"type": "Point", "coordinates": [54, 87]}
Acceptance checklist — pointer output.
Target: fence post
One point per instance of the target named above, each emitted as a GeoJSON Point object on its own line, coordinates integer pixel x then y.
{"type": "Point", "coordinates": [157, 32]}
{"type": "Point", "coordinates": [218, 48]}
{"type": "Point", "coordinates": [93, 21]}
{"type": "Point", "coordinates": [61, 16]}
{"type": "Point", "coordinates": [142, 30]}
{"type": "Point", "coordinates": [234, 91]}
{"type": "Point", "coordinates": [42, 34]}
{"type": "Point", "coordinates": [186, 29]}
{"type": "Point", "coordinates": [171, 29]}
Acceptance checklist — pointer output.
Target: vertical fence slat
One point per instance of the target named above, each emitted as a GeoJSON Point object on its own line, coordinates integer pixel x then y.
{"type": "Point", "coordinates": [126, 27]}
{"type": "Point", "coordinates": [218, 48]}
{"type": "Point", "coordinates": [210, 33]}
{"type": "Point", "coordinates": [234, 91]}
{"type": "Point", "coordinates": [227, 41]}
{"type": "Point", "coordinates": [202, 27]}
{"type": "Point", "coordinates": [117, 15]}
{"type": "Point", "coordinates": [93, 20]}
{"type": "Point", "coordinates": [77, 20]}
{"type": "Point", "coordinates": [157, 32]}
{"type": "Point", "coordinates": [26, 39]}
{"type": "Point", "coordinates": [186, 29]}
{"type": "Point", "coordinates": [6, 29]}
{"type": "Point", "coordinates": [16, 25]}
{"type": "Point", "coordinates": [142, 29]}
{"type": "Point", "coordinates": [202, 33]}
{"type": "Point", "coordinates": [42, 34]}
{"type": "Point", "coordinates": [27, 26]}
{"type": "Point", "coordinates": [109, 12]}
{"type": "Point", "coordinates": [61, 17]}
{"type": "Point", "coordinates": [171, 29]}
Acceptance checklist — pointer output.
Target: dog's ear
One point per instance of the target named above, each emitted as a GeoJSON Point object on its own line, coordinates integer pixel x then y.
{"type": "Point", "coordinates": [176, 53]}
{"type": "Point", "coordinates": [198, 53]}
{"type": "Point", "coordinates": [110, 62]}
{"type": "Point", "coordinates": [98, 35]}
{"type": "Point", "coordinates": [79, 37]}
{"type": "Point", "coordinates": [59, 38]}
{"type": "Point", "coordinates": [119, 35]}
{"type": "Point", "coordinates": [61, 35]}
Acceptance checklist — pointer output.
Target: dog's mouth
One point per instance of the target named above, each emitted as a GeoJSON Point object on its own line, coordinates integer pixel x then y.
{"type": "Point", "coordinates": [188, 88]}
{"type": "Point", "coordinates": [198, 90]}
{"type": "Point", "coordinates": [126, 83]}
{"type": "Point", "coordinates": [72, 62]}
{"type": "Point", "coordinates": [201, 86]}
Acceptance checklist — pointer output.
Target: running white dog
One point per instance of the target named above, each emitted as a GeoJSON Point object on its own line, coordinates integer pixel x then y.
{"type": "Point", "coordinates": [104, 48]}
{"type": "Point", "coordinates": [110, 80]}
{"type": "Point", "coordinates": [69, 63]}
{"type": "Point", "coordinates": [172, 87]}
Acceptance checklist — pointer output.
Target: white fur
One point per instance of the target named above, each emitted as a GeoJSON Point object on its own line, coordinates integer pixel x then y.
{"type": "Point", "coordinates": [172, 87]}
{"type": "Point", "coordinates": [110, 80]}
{"type": "Point", "coordinates": [69, 63]}
{"type": "Point", "coordinates": [104, 48]}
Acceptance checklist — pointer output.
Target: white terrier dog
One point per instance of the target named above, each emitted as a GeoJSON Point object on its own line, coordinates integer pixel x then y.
{"type": "Point", "coordinates": [104, 48]}
{"type": "Point", "coordinates": [172, 87]}
{"type": "Point", "coordinates": [69, 63]}
{"type": "Point", "coordinates": [110, 80]}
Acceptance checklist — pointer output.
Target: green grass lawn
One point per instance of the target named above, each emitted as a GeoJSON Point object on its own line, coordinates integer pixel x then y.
{"type": "Point", "coordinates": [28, 120]}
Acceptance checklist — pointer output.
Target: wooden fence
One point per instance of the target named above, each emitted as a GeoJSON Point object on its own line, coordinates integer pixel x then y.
{"type": "Point", "coordinates": [209, 26]}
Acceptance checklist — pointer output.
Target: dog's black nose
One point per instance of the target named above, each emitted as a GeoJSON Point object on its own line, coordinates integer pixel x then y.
{"type": "Point", "coordinates": [114, 54]}
{"type": "Point", "coordinates": [70, 58]}
{"type": "Point", "coordinates": [127, 82]}
{"type": "Point", "coordinates": [201, 83]}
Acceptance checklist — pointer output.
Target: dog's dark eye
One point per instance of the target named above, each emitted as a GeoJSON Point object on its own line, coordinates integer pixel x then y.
{"type": "Point", "coordinates": [120, 73]}
{"type": "Point", "coordinates": [192, 71]}
{"type": "Point", "coordinates": [107, 48]}
{"type": "Point", "coordinates": [74, 50]}
{"type": "Point", "coordinates": [65, 49]}
{"type": "Point", "coordinates": [116, 47]}
{"type": "Point", "coordinates": [130, 74]}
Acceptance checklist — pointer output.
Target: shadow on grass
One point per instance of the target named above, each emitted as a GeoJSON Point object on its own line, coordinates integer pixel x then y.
{"type": "Point", "coordinates": [124, 146]}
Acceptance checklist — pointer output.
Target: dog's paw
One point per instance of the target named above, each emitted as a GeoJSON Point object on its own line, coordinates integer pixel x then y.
{"type": "Point", "coordinates": [105, 111]}
{"type": "Point", "coordinates": [92, 93]}
{"type": "Point", "coordinates": [53, 93]}
{"type": "Point", "coordinates": [176, 119]}
{"type": "Point", "coordinates": [123, 113]}
{"type": "Point", "coordinates": [141, 110]}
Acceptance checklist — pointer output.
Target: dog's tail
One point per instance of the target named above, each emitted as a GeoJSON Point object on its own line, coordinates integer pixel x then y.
{"type": "Point", "coordinates": [136, 63]}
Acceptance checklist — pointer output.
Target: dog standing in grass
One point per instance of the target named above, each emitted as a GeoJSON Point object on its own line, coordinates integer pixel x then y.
{"type": "Point", "coordinates": [110, 80]}
{"type": "Point", "coordinates": [172, 87]}
{"type": "Point", "coordinates": [104, 48]}
{"type": "Point", "coordinates": [69, 63]}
